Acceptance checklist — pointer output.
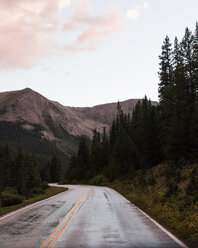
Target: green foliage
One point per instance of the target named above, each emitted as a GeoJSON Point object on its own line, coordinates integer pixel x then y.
{"type": "Point", "coordinates": [44, 185]}
{"type": "Point", "coordinates": [172, 189]}
{"type": "Point", "coordinates": [50, 191]}
{"type": "Point", "coordinates": [27, 177]}
{"type": "Point", "coordinates": [55, 169]}
{"type": "Point", "coordinates": [10, 198]}
{"type": "Point", "coordinates": [32, 141]}
{"type": "Point", "coordinates": [177, 210]}
{"type": "Point", "coordinates": [99, 180]}
{"type": "Point", "coordinates": [192, 188]}
{"type": "Point", "coordinates": [178, 89]}
{"type": "Point", "coordinates": [20, 175]}
{"type": "Point", "coordinates": [79, 168]}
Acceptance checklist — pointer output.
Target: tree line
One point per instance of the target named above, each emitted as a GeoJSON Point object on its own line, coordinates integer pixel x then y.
{"type": "Point", "coordinates": [22, 177]}
{"type": "Point", "coordinates": [152, 134]}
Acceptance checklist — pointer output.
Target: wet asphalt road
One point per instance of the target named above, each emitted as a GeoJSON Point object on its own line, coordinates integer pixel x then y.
{"type": "Point", "coordinates": [83, 216]}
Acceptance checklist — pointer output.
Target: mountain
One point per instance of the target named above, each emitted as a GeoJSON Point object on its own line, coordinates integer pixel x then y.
{"type": "Point", "coordinates": [43, 121]}
{"type": "Point", "coordinates": [105, 113]}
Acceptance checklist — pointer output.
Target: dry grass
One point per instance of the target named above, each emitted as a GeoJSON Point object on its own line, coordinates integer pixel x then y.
{"type": "Point", "coordinates": [48, 193]}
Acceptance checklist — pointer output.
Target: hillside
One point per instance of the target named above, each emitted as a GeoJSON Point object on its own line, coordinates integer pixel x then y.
{"type": "Point", "coordinates": [42, 122]}
{"type": "Point", "coordinates": [31, 107]}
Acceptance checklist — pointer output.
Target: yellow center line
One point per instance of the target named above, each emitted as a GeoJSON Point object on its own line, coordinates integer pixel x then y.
{"type": "Point", "coordinates": [64, 219]}
{"type": "Point", "coordinates": [67, 223]}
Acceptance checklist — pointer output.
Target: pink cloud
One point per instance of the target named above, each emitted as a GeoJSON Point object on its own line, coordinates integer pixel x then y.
{"type": "Point", "coordinates": [93, 28]}
{"type": "Point", "coordinates": [28, 30]}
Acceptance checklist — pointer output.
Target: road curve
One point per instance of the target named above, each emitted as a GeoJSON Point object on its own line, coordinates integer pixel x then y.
{"type": "Point", "coordinates": [83, 216]}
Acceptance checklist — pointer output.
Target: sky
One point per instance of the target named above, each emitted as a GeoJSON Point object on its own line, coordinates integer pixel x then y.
{"type": "Point", "coordinates": [88, 52]}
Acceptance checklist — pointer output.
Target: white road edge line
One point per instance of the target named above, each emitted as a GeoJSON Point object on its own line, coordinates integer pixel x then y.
{"type": "Point", "coordinates": [29, 206]}
{"type": "Point", "coordinates": [155, 222]}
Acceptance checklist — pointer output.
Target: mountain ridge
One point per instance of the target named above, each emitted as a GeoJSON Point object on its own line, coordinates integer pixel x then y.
{"type": "Point", "coordinates": [55, 122]}
{"type": "Point", "coordinates": [33, 107]}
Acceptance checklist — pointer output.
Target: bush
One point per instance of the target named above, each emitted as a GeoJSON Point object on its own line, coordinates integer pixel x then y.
{"type": "Point", "coordinates": [9, 199]}
{"type": "Point", "coordinates": [99, 180]}
{"type": "Point", "coordinates": [44, 185]}
{"type": "Point", "coordinates": [37, 190]}
{"type": "Point", "coordinates": [74, 181]}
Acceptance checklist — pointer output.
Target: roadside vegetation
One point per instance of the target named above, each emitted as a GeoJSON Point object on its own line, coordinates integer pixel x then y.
{"type": "Point", "coordinates": [168, 195]}
{"type": "Point", "coordinates": [23, 181]}
{"type": "Point", "coordinates": [46, 193]}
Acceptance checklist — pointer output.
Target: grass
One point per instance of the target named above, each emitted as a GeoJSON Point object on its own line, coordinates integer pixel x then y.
{"type": "Point", "coordinates": [38, 197]}
{"type": "Point", "coordinates": [177, 212]}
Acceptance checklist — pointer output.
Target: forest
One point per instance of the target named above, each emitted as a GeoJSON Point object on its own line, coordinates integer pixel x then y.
{"type": "Point", "coordinates": [21, 177]}
{"type": "Point", "coordinates": [152, 134]}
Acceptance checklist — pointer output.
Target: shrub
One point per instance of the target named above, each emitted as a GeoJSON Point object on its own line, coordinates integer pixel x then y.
{"type": "Point", "coordinates": [9, 198]}
{"type": "Point", "coordinates": [99, 180]}
{"type": "Point", "coordinates": [74, 181]}
{"type": "Point", "coordinates": [44, 185]}
{"type": "Point", "coordinates": [37, 190]}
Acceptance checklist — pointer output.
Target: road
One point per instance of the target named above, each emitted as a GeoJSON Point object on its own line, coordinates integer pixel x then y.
{"type": "Point", "coordinates": [83, 216]}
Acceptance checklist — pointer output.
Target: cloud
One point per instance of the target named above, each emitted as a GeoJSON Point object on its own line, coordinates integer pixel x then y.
{"type": "Point", "coordinates": [29, 30]}
{"type": "Point", "coordinates": [146, 5]}
{"type": "Point", "coordinates": [64, 3]}
{"type": "Point", "coordinates": [93, 28]}
{"type": "Point", "coordinates": [134, 13]}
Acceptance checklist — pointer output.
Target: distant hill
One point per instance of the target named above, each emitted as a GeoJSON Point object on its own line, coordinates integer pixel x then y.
{"type": "Point", "coordinates": [41, 121]}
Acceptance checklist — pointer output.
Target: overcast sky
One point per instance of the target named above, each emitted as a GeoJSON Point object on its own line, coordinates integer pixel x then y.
{"type": "Point", "coordinates": [88, 52]}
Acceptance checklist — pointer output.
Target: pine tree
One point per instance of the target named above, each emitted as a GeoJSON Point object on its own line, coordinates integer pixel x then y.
{"type": "Point", "coordinates": [83, 153]}
{"type": "Point", "coordinates": [113, 133]}
{"type": "Point", "coordinates": [83, 159]}
{"type": "Point", "coordinates": [96, 153]}
{"type": "Point", "coordinates": [73, 173]}
{"type": "Point", "coordinates": [27, 174]}
{"type": "Point", "coordinates": [6, 173]}
{"type": "Point", "coordinates": [55, 169]}
{"type": "Point", "coordinates": [187, 51]}
{"type": "Point", "coordinates": [45, 173]}
{"type": "Point", "coordinates": [166, 95]}
{"type": "Point", "coordinates": [195, 60]}
{"type": "Point", "coordinates": [166, 69]}
{"type": "Point", "coordinates": [105, 149]}
{"type": "Point", "coordinates": [177, 136]}
{"type": "Point", "coordinates": [194, 124]}
{"type": "Point", "coordinates": [145, 134]}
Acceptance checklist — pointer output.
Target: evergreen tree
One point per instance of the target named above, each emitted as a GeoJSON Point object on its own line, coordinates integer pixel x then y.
{"type": "Point", "coordinates": [113, 133]}
{"type": "Point", "coordinates": [55, 169]}
{"type": "Point", "coordinates": [195, 60]}
{"type": "Point", "coordinates": [166, 86]}
{"type": "Point", "coordinates": [194, 125]}
{"type": "Point", "coordinates": [83, 159]}
{"type": "Point", "coordinates": [166, 69]}
{"type": "Point", "coordinates": [83, 153]}
{"type": "Point", "coordinates": [177, 136]}
{"type": "Point", "coordinates": [74, 172]}
{"type": "Point", "coordinates": [145, 134]}
{"type": "Point", "coordinates": [96, 153]}
{"type": "Point", "coordinates": [27, 174]}
{"type": "Point", "coordinates": [6, 172]}
{"type": "Point", "coordinates": [45, 173]}
{"type": "Point", "coordinates": [187, 52]}
{"type": "Point", "coordinates": [105, 149]}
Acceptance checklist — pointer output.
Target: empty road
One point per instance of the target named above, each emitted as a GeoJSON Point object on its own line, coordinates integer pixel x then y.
{"type": "Point", "coordinates": [83, 216]}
